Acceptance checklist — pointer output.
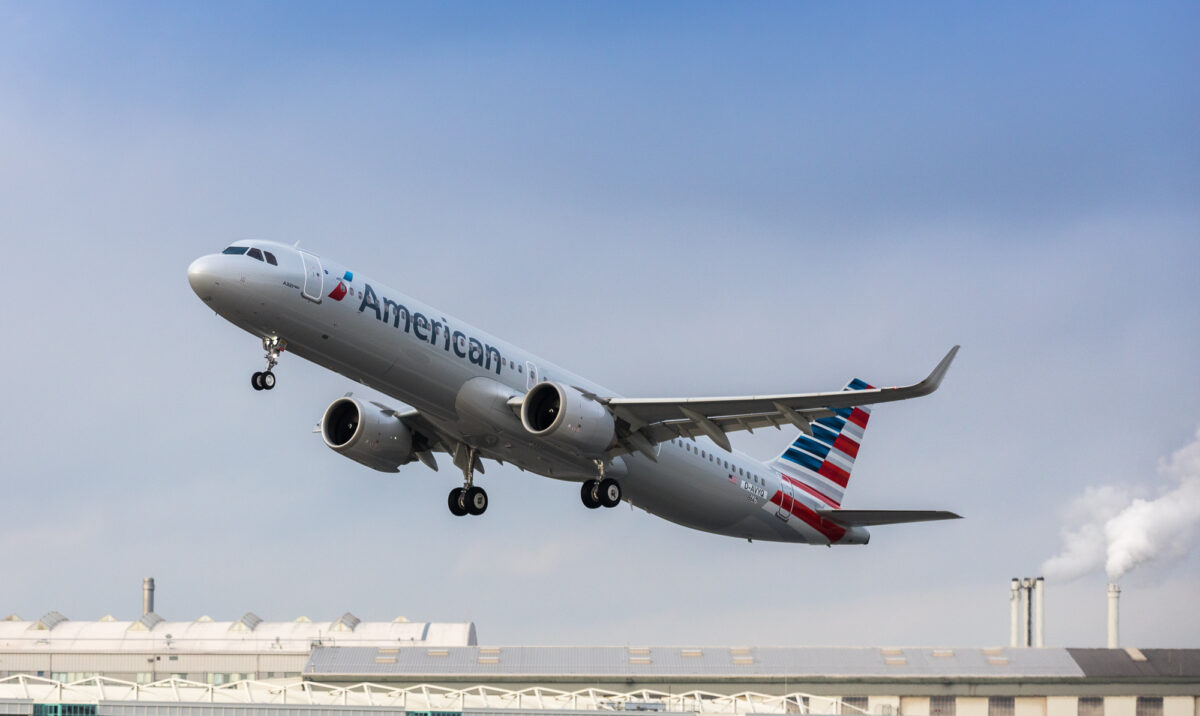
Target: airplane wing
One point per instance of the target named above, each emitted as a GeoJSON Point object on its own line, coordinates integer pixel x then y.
{"type": "Point", "coordinates": [657, 420]}
{"type": "Point", "coordinates": [871, 518]}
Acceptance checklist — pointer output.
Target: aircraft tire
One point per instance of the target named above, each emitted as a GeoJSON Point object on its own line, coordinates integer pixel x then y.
{"type": "Point", "coordinates": [267, 380]}
{"type": "Point", "coordinates": [456, 503]}
{"type": "Point", "coordinates": [587, 493]}
{"type": "Point", "coordinates": [476, 500]}
{"type": "Point", "coordinates": [256, 381]}
{"type": "Point", "coordinates": [609, 492]}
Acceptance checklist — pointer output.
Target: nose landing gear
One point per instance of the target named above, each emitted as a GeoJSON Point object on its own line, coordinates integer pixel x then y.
{"type": "Point", "coordinates": [265, 380]}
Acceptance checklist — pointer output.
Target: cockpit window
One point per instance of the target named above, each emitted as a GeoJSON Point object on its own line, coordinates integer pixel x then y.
{"type": "Point", "coordinates": [255, 254]}
{"type": "Point", "coordinates": [270, 258]}
{"type": "Point", "coordinates": [235, 250]}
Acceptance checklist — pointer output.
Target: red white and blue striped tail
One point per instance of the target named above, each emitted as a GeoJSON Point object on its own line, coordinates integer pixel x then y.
{"type": "Point", "coordinates": [820, 465]}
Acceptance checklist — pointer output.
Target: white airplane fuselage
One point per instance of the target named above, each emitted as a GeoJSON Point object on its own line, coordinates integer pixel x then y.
{"type": "Point", "coordinates": [459, 378]}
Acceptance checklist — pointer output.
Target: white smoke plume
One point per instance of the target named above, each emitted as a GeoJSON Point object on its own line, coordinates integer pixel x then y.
{"type": "Point", "coordinates": [1107, 527]}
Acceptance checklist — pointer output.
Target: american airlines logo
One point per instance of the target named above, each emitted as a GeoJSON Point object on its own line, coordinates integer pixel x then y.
{"type": "Point", "coordinates": [428, 330]}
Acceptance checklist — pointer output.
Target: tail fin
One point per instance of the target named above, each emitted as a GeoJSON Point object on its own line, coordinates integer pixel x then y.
{"type": "Point", "coordinates": [820, 464]}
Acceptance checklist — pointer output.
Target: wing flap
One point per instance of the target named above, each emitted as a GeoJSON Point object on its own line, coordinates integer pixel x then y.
{"type": "Point", "coordinates": [873, 518]}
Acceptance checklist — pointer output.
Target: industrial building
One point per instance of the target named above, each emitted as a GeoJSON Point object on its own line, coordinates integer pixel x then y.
{"type": "Point", "coordinates": [203, 650]}
{"type": "Point", "coordinates": [53, 666]}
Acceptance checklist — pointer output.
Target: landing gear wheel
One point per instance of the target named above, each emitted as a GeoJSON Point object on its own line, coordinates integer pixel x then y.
{"type": "Point", "coordinates": [587, 493]}
{"type": "Point", "coordinates": [609, 492]}
{"type": "Point", "coordinates": [457, 505]}
{"type": "Point", "coordinates": [266, 379]}
{"type": "Point", "coordinates": [476, 500]}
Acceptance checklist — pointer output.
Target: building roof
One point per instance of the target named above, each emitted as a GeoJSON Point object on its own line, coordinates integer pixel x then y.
{"type": "Point", "coordinates": [1157, 664]}
{"type": "Point", "coordinates": [708, 662]}
{"type": "Point", "coordinates": [55, 633]}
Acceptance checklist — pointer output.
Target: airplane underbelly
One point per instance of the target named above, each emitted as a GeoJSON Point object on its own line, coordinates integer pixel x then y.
{"type": "Point", "coordinates": [678, 492]}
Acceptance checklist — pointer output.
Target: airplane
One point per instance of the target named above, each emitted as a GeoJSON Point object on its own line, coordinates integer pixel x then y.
{"type": "Point", "coordinates": [474, 396]}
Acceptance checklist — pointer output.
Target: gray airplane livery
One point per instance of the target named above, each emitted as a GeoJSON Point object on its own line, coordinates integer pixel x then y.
{"type": "Point", "coordinates": [476, 397]}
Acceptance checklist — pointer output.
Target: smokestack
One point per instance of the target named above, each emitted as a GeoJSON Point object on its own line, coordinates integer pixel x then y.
{"type": "Point", "coordinates": [1014, 602]}
{"type": "Point", "coordinates": [1114, 596]}
{"type": "Point", "coordinates": [147, 595]}
{"type": "Point", "coordinates": [1027, 607]}
{"type": "Point", "coordinates": [1039, 635]}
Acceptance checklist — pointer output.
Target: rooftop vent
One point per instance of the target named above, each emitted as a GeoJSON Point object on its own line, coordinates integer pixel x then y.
{"type": "Point", "coordinates": [206, 619]}
{"type": "Point", "coordinates": [147, 622]}
{"type": "Point", "coordinates": [49, 620]}
{"type": "Point", "coordinates": [108, 618]}
{"type": "Point", "coordinates": [346, 622]}
{"type": "Point", "coordinates": [303, 620]}
{"type": "Point", "coordinates": [1135, 654]}
{"type": "Point", "coordinates": [12, 618]}
{"type": "Point", "coordinates": [248, 622]}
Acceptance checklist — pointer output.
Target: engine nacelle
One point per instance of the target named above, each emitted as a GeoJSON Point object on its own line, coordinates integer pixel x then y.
{"type": "Point", "coordinates": [562, 415]}
{"type": "Point", "coordinates": [367, 434]}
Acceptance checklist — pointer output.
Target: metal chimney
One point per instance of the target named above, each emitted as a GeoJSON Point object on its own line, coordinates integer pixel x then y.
{"type": "Point", "coordinates": [1027, 607]}
{"type": "Point", "coordinates": [1114, 596]}
{"type": "Point", "coordinates": [147, 595]}
{"type": "Point", "coordinates": [1039, 602]}
{"type": "Point", "coordinates": [1014, 602]}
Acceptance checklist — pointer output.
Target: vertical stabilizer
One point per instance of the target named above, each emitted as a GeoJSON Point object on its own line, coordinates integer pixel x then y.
{"type": "Point", "coordinates": [820, 464]}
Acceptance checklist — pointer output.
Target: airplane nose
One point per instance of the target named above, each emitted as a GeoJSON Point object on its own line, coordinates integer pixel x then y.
{"type": "Point", "coordinates": [202, 275]}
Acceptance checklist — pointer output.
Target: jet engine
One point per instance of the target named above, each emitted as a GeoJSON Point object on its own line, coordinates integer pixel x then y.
{"type": "Point", "coordinates": [367, 434]}
{"type": "Point", "coordinates": [563, 416]}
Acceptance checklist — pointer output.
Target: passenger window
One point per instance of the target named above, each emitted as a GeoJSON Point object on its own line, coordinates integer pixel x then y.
{"type": "Point", "coordinates": [270, 258]}
{"type": "Point", "coordinates": [255, 254]}
{"type": "Point", "coordinates": [235, 250]}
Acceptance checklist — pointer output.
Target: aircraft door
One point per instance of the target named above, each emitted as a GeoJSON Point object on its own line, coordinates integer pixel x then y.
{"type": "Point", "coordinates": [314, 277]}
{"type": "Point", "coordinates": [531, 375]}
{"type": "Point", "coordinates": [785, 499]}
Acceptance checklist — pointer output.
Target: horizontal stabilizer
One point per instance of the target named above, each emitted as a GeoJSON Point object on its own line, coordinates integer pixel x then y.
{"type": "Point", "coordinates": [871, 518]}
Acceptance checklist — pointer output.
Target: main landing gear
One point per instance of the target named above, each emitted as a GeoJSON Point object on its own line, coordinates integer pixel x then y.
{"type": "Point", "coordinates": [468, 499]}
{"type": "Point", "coordinates": [604, 492]}
{"type": "Point", "coordinates": [265, 380]}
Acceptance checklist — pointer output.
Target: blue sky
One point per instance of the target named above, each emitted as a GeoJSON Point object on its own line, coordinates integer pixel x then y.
{"type": "Point", "coordinates": [672, 199]}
